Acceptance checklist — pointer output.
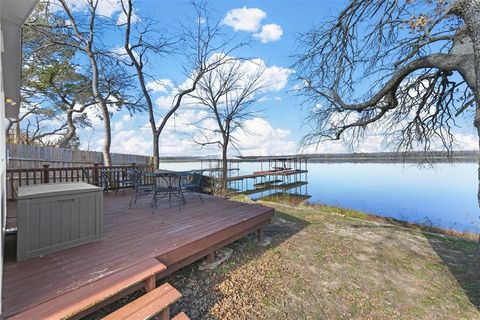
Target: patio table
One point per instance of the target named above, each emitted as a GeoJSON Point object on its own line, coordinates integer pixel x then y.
{"type": "Point", "coordinates": [171, 186]}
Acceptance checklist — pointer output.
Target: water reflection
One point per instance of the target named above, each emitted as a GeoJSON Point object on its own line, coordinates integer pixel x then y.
{"type": "Point", "coordinates": [444, 195]}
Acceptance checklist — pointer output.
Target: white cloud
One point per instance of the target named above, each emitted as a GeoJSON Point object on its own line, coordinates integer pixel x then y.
{"type": "Point", "coordinates": [371, 143]}
{"type": "Point", "coordinates": [161, 85]}
{"type": "Point", "coordinates": [466, 141]}
{"type": "Point", "coordinates": [278, 98]}
{"type": "Point", "coordinates": [122, 18]}
{"type": "Point", "coordinates": [249, 19]}
{"type": "Point", "coordinates": [121, 53]}
{"type": "Point", "coordinates": [130, 141]}
{"type": "Point", "coordinates": [277, 77]}
{"type": "Point", "coordinates": [165, 102]}
{"type": "Point", "coordinates": [263, 99]}
{"type": "Point", "coordinates": [269, 33]}
{"type": "Point", "coordinates": [299, 85]}
{"type": "Point", "coordinates": [260, 138]}
{"type": "Point", "coordinates": [107, 8]}
{"type": "Point", "coordinates": [126, 118]}
{"type": "Point", "coordinates": [94, 115]}
{"type": "Point", "coordinates": [244, 19]}
{"type": "Point", "coordinates": [185, 122]}
{"type": "Point", "coordinates": [274, 77]}
{"type": "Point", "coordinates": [119, 125]}
{"type": "Point", "coordinates": [376, 142]}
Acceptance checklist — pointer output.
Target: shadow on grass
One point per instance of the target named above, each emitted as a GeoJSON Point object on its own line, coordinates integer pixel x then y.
{"type": "Point", "coordinates": [199, 288]}
{"type": "Point", "coordinates": [460, 256]}
{"type": "Point", "coordinates": [463, 260]}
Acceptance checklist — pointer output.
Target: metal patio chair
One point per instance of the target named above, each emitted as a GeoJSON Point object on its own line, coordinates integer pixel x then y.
{"type": "Point", "coordinates": [136, 177]}
{"type": "Point", "coordinates": [105, 180]}
{"type": "Point", "coordinates": [194, 185]}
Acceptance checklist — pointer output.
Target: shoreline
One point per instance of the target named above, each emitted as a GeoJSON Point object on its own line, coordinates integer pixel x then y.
{"type": "Point", "coordinates": [365, 216]}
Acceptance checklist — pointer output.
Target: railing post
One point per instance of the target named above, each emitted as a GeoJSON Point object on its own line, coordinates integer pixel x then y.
{"type": "Point", "coordinates": [95, 174]}
{"type": "Point", "coordinates": [46, 174]}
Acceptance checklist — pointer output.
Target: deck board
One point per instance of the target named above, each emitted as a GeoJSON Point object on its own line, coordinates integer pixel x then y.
{"type": "Point", "coordinates": [130, 236]}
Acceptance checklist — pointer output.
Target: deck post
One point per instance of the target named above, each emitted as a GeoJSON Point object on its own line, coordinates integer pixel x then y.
{"type": "Point", "coordinates": [150, 283]}
{"type": "Point", "coordinates": [46, 178]}
{"type": "Point", "coordinates": [95, 174]}
{"type": "Point", "coordinates": [211, 257]}
{"type": "Point", "coordinates": [260, 235]}
{"type": "Point", "coordinates": [165, 314]}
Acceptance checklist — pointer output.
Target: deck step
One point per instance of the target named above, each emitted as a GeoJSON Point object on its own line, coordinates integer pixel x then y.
{"type": "Point", "coordinates": [78, 301]}
{"type": "Point", "coordinates": [155, 302]}
{"type": "Point", "coordinates": [181, 316]}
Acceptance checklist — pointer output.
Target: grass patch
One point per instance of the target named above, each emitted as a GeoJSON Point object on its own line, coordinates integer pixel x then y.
{"type": "Point", "coordinates": [309, 210]}
{"type": "Point", "coordinates": [455, 243]}
{"type": "Point", "coordinates": [319, 255]}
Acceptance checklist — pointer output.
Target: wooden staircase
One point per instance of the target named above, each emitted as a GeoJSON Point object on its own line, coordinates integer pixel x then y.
{"type": "Point", "coordinates": [155, 303]}
{"type": "Point", "coordinates": [82, 301]}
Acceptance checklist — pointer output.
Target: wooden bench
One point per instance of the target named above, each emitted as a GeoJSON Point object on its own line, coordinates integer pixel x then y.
{"type": "Point", "coordinates": [81, 301]}
{"type": "Point", "coordinates": [155, 302]}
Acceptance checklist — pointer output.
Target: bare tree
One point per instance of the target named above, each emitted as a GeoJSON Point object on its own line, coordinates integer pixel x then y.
{"type": "Point", "coordinates": [36, 125]}
{"type": "Point", "coordinates": [52, 82]}
{"type": "Point", "coordinates": [10, 130]}
{"type": "Point", "coordinates": [198, 43]}
{"type": "Point", "coordinates": [229, 93]}
{"type": "Point", "coordinates": [50, 77]}
{"type": "Point", "coordinates": [406, 68]}
{"type": "Point", "coordinates": [81, 33]}
{"type": "Point", "coordinates": [84, 41]}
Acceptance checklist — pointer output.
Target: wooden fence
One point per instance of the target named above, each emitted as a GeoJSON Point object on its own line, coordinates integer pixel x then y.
{"type": "Point", "coordinates": [35, 157]}
{"type": "Point", "coordinates": [110, 178]}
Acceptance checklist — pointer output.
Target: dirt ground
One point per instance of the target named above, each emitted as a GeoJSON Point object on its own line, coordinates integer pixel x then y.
{"type": "Point", "coordinates": [326, 266]}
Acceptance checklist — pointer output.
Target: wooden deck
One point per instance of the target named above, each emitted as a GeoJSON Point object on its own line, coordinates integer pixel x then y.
{"type": "Point", "coordinates": [175, 237]}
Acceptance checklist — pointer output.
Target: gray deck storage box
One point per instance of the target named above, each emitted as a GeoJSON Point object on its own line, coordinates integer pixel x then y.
{"type": "Point", "coordinates": [51, 217]}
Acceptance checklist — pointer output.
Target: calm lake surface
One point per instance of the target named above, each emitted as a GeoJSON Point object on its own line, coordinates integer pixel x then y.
{"type": "Point", "coordinates": [444, 195]}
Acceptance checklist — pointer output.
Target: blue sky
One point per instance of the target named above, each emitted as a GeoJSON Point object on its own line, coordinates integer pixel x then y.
{"type": "Point", "coordinates": [273, 28]}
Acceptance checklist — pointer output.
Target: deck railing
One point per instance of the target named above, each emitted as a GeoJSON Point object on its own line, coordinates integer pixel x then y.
{"type": "Point", "coordinates": [110, 178]}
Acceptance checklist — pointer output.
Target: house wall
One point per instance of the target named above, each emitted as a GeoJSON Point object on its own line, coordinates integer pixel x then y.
{"type": "Point", "coordinates": [3, 167]}
{"type": "Point", "coordinates": [13, 14]}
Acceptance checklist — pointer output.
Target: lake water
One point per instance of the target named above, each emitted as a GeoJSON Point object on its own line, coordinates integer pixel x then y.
{"type": "Point", "coordinates": [445, 195]}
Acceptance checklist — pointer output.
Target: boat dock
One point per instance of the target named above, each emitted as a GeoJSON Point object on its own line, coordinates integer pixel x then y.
{"type": "Point", "coordinates": [260, 174]}
{"type": "Point", "coordinates": [277, 175]}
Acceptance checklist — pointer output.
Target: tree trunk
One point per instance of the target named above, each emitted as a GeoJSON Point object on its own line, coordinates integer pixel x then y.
{"type": "Point", "coordinates": [224, 189]}
{"type": "Point", "coordinates": [63, 143]}
{"type": "Point", "coordinates": [471, 15]}
{"type": "Point", "coordinates": [107, 159]}
{"type": "Point", "coordinates": [469, 11]}
{"type": "Point", "coordinates": [473, 24]}
{"type": "Point", "coordinates": [156, 152]}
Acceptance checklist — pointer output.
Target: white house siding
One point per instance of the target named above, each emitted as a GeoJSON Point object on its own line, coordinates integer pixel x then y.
{"type": "Point", "coordinates": [13, 14]}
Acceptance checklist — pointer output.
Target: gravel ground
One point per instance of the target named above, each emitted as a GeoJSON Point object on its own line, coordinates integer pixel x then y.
{"type": "Point", "coordinates": [323, 265]}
